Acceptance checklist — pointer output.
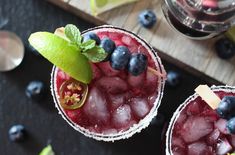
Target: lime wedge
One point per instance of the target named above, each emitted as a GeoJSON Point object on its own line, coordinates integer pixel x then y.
{"type": "Point", "coordinates": [62, 54]}
{"type": "Point", "coordinates": [231, 34]}
{"type": "Point", "coordinates": [99, 6]}
{"type": "Point", "coordinates": [47, 151]}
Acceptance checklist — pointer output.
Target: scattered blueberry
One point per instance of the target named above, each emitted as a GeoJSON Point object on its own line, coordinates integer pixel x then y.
{"type": "Point", "coordinates": [226, 108]}
{"type": "Point", "coordinates": [108, 45]}
{"type": "Point", "coordinates": [225, 48]}
{"type": "Point", "coordinates": [137, 64]}
{"type": "Point", "coordinates": [17, 133]}
{"type": "Point", "coordinates": [158, 120]}
{"type": "Point", "coordinates": [173, 78]}
{"type": "Point", "coordinates": [231, 125]}
{"type": "Point", "coordinates": [120, 58]}
{"type": "Point", "coordinates": [93, 36]}
{"type": "Point", "coordinates": [35, 90]}
{"type": "Point", "coordinates": [147, 18]}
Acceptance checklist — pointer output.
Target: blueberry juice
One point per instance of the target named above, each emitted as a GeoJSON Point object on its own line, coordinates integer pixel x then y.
{"type": "Point", "coordinates": [196, 128]}
{"type": "Point", "coordinates": [118, 104]}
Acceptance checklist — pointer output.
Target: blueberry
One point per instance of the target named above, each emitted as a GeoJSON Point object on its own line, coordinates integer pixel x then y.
{"type": "Point", "coordinates": [108, 45]}
{"type": "Point", "coordinates": [93, 36]}
{"type": "Point", "coordinates": [173, 78]}
{"type": "Point", "coordinates": [120, 57]}
{"type": "Point", "coordinates": [36, 90]}
{"type": "Point", "coordinates": [158, 120]}
{"type": "Point", "coordinates": [17, 133]}
{"type": "Point", "coordinates": [147, 18]}
{"type": "Point", "coordinates": [225, 48]}
{"type": "Point", "coordinates": [231, 125]}
{"type": "Point", "coordinates": [137, 64]}
{"type": "Point", "coordinates": [226, 108]}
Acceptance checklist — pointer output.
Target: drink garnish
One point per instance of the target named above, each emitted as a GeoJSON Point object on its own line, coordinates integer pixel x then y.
{"type": "Point", "coordinates": [72, 94]}
{"type": "Point", "coordinates": [99, 6]}
{"type": "Point", "coordinates": [231, 34]}
{"type": "Point", "coordinates": [208, 96]}
{"type": "Point", "coordinates": [66, 50]}
{"type": "Point", "coordinates": [47, 151]}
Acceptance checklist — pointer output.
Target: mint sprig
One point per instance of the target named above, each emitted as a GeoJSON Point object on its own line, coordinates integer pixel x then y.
{"type": "Point", "coordinates": [95, 54]}
{"type": "Point", "coordinates": [73, 34]}
{"type": "Point", "coordinates": [89, 48]}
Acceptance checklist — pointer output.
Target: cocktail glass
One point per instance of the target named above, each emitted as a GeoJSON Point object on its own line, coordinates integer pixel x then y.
{"type": "Point", "coordinates": [118, 105]}
{"type": "Point", "coordinates": [200, 19]}
{"type": "Point", "coordinates": [195, 128]}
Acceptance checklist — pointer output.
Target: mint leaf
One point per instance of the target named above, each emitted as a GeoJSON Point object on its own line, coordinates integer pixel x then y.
{"type": "Point", "coordinates": [47, 151]}
{"type": "Point", "coordinates": [73, 33]}
{"type": "Point", "coordinates": [88, 45]}
{"type": "Point", "coordinates": [96, 54]}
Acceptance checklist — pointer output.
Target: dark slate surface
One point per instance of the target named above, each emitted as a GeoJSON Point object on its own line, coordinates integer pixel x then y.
{"type": "Point", "coordinates": [41, 119]}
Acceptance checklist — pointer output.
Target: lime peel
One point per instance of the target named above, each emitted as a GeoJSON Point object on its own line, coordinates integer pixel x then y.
{"type": "Point", "coordinates": [100, 6]}
{"type": "Point", "coordinates": [231, 34]}
{"type": "Point", "coordinates": [47, 151]}
{"type": "Point", "coordinates": [63, 54]}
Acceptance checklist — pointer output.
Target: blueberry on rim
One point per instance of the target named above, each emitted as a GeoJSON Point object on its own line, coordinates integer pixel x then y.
{"type": "Point", "coordinates": [120, 57]}
{"type": "Point", "coordinates": [147, 18]}
{"type": "Point", "coordinates": [91, 36]}
{"type": "Point", "coordinates": [137, 64]}
{"type": "Point", "coordinates": [226, 108]}
{"type": "Point", "coordinates": [108, 45]}
{"type": "Point", "coordinates": [231, 125]}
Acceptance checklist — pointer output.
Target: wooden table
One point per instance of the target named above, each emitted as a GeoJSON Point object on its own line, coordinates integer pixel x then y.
{"type": "Point", "coordinates": [197, 57]}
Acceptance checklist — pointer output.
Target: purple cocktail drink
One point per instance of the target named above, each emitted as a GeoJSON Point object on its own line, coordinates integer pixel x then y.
{"type": "Point", "coordinates": [196, 128]}
{"type": "Point", "coordinates": [117, 103]}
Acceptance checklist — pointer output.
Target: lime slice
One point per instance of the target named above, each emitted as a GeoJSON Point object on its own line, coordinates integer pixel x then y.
{"type": "Point", "coordinates": [47, 151]}
{"type": "Point", "coordinates": [99, 6]}
{"type": "Point", "coordinates": [62, 54]}
{"type": "Point", "coordinates": [231, 34]}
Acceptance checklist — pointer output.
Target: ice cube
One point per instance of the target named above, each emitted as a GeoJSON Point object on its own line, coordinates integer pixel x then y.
{"type": "Point", "coordinates": [221, 125]}
{"type": "Point", "coordinates": [62, 75]}
{"type": "Point", "coordinates": [122, 116]}
{"type": "Point", "coordinates": [136, 81]}
{"type": "Point", "coordinates": [107, 69]}
{"type": "Point", "coordinates": [151, 81]}
{"type": "Point", "coordinates": [195, 128]}
{"type": "Point", "coordinates": [152, 98]}
{"type": "Point", "coordinates": [199, 148]}
{"type": "Point", "coordinates": [182, 118]}
{"type": "Point", "coordinates": [118, 99]}
{"type": "Point", "coordinates": [178, 142]}
{"type": "Point", "coordinates": [139, 107]}
{"type": "Point", "coordinates": [96, 107]}
{"type": "Point", "coordinates": [223, 147]}
{"type": "Point", "coordinates": [113, 85]}
{"type": "Point", "coordinates": [96, 73]}
{"type": "Point", "coordinates": [213, 137]}
{"type": "Point", "coordinates": [119, 43]}
{"type": "Point", "coordinates": [232, 140]}
{"type": "Point", "coordinates": [193, 108]}
{"type": "Point", "coordinates": [114, 35]}
{"type": "Point", "coordinates": [128, 40]}
{"type": "Point", "coordinates": [178, 151]}
{"type": "Point", "coordinates": [110, 131]}
{"type": "Point", "coordinates": [102, 34]}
